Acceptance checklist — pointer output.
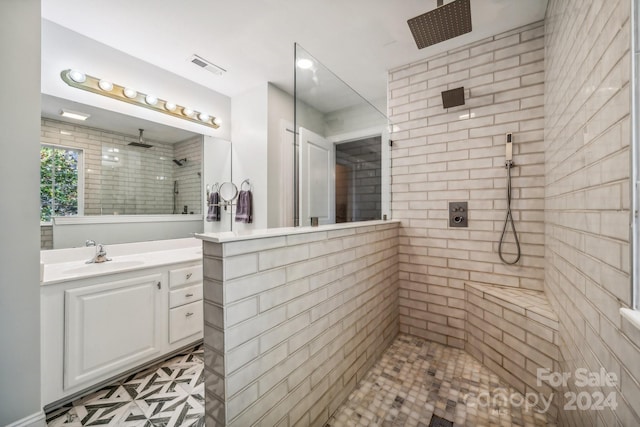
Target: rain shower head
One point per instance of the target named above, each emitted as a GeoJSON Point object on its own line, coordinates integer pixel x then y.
{"type": "Point", "coordinates": [443, 23]}
{"type": "Point", "coordinates": [140, 142]}
{"type": "Point", "coordinates": [180, 162]}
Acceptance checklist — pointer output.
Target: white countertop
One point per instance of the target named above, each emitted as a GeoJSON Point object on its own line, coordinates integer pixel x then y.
{"type": "Point", "coordinates": [69, 264]}
{"type": "Point", "coordinates": [234, 236]}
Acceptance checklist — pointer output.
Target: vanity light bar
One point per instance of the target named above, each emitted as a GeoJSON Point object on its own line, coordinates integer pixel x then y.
{"type": "Point", "coordinates": [102, 87]}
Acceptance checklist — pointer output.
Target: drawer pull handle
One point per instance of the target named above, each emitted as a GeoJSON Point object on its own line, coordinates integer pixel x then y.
{"type": "Point", "coordinates": [189, 315]}
{"type": "Point", "coordinates": [159, 285]}
{"type": "Point", "coordinates": [188, 295]}
{"type": "Point", "coordinates": [189, 276]}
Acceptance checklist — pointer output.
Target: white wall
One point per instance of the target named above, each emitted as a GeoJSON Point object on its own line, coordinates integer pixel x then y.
{"type": "Point", "coordinates": [354, 119]}
{"type": "Point", "coordinates": [216, 168]}
{"type": "Point", "coordinates": [249, 158]}
{"type": "Point", "coordinates": [63, 49]}
{"type": "Point", "coordinates": [280, 158]}
{"type": "Point", "coordinates": [19, 220]}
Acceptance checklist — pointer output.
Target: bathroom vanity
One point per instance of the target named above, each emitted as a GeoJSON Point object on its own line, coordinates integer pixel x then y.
{"type": "Point", "coordinates": [100, 321]}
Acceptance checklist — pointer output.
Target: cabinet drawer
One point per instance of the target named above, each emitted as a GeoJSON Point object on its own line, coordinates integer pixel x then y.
{"type": "Point", "coordinates": [182, 276]}
{"type": "Point", "coordinates": [185, 321]}
{"type": "Point", "coordinates": [186, 295]}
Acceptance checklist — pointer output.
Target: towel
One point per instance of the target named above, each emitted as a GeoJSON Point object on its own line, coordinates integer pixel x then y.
{"type": "Point", "coordinates": [214, 207]}
{"type": "Point", "coordinates": [243, 208]}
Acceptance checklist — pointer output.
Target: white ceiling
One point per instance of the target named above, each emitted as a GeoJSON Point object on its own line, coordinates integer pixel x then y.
{"type": "Point", "coordinates": [112, 121]}
{"type": "Point", "coordinates": [359, 40]}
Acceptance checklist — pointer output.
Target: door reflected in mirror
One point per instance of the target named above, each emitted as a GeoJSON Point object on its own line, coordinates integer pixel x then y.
{"type": "Point", "coordinates": [342, 169]}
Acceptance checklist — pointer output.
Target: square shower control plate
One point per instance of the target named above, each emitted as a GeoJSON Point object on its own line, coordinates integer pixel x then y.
{"type": "Point", "coordinates": [458, 214]}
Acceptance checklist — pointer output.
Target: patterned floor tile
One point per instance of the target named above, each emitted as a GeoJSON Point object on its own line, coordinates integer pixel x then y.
{"type": "Point", "coordinates": [167, 394]}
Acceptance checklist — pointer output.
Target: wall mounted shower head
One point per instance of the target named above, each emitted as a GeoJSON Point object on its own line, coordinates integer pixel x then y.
{"type": "Point", "coordinates": [180, 162]}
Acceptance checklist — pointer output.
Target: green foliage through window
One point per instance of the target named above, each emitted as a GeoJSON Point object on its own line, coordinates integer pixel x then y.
{"type": "Point", "coordinates": [58, 182]}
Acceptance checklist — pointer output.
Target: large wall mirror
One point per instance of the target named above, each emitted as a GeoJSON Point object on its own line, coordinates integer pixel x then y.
{"type": "Point", "coordinates": [116, 179]}
{"type": "Point", "coordinates": [342, 149]}
{"type": "Point", "coordinates": [104, 180]}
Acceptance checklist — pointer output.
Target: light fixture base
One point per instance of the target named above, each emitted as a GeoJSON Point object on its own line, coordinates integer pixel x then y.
{"type": "Point", "coordinates": [92, 84]}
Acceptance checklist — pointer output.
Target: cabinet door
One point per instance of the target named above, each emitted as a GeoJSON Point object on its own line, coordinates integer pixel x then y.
{"type": "Point", "coordinates": [110, 327]}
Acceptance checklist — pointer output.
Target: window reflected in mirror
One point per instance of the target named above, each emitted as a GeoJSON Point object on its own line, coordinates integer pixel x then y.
{"type": "Point", "coordinates": [61, 171]}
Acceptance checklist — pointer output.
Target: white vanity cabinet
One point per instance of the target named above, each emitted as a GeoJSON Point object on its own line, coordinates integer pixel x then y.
{"type": "Point", "coordinates": [98, 328]}
{"type": "Point", "coordinates": [110, 326]}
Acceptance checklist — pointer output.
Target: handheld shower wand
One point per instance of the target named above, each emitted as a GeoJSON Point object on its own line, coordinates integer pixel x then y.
{"type": "Point", "coordinates": [509, 218]}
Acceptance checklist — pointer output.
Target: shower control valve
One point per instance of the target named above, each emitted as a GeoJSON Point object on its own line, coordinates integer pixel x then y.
{"type": "Point", "coordinates": [458, 216]}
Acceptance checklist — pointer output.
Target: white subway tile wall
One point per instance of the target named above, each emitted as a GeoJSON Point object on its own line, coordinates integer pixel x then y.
{"type": "Point", "coordinates": [359, 180]}
{"type": "Point", "coordinates": [188, 176]}
{"type": "Point", "coordinates": [294, 323]}
{"type": "Point", "coordinates": [147, 188]}
{"type": "Point", "coordinates": [46, 237]}
{"type": "Point", "coordinates": [514, 332]}
{"type": "Point", "coordinates": [587, 138]}
{"type": "Point", "coordinates": [457, 154]}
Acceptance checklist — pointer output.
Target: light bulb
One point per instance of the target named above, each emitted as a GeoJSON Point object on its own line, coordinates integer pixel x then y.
{"type": "Point", "coordinates": [217, 121]}
{"type": "Point", "coordinates": [304, 63]}
{"type": "Point", "coordinates": [204, 117]}
{"type": "Point", "coordinates": [130, 93]}
{"type": "Point", "coordinates": [105, 85]}
{"type": "Point", "coordinates": [170, 106]}
{"type": "Point", "coordinates": [151, 100]}
{"type": "Point", "coordinates": [77, 76]}
{"type": "Point", "coordinates": [188, 112]}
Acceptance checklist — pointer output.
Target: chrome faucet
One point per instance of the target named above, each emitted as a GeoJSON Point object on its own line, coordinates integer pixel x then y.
{"type": "Point", "coordinates": [100, 256]}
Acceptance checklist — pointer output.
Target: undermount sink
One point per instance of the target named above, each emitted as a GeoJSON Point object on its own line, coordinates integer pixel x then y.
{"type": "Point", "coordinates": [95, 267]}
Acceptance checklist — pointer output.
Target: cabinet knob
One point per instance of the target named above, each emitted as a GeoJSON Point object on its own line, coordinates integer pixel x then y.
{"type": "Point", "coordinates": [189, 276]}
{"type": "Point", "coordinates": [188, 314]}
{"type": "Point", "coordinates": [188, 295]}
{"type": "Point", "coordinates": [159, 285]}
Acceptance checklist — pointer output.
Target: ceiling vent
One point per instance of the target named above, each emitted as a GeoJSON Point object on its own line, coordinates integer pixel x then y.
{"type": "Point", "coordinates": [209, 66]}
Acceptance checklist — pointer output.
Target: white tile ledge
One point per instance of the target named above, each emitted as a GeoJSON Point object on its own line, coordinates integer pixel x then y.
{"type": "Point", "coordinates": [632, 316]}
{"type": "Point", "coordinates": [236, 236]}
{"type": "Point", "coordinates": [118, 219]}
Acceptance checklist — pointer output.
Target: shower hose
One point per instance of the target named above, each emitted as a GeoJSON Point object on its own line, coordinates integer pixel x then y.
{"type": "Point", "coordinates": [507, 220]}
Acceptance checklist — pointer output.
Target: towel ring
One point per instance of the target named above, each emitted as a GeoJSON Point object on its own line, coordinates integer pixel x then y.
{"type": "Point", "coordinates": [226, 190]}
{"type": "Point", "coordinates": [246, 181]}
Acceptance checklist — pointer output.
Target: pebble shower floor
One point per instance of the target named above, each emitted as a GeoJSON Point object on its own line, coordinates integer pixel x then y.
{"type": "Point", "coordinates": [417, 379]}
{"type": "Point", "coordinates": [413, 381]}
